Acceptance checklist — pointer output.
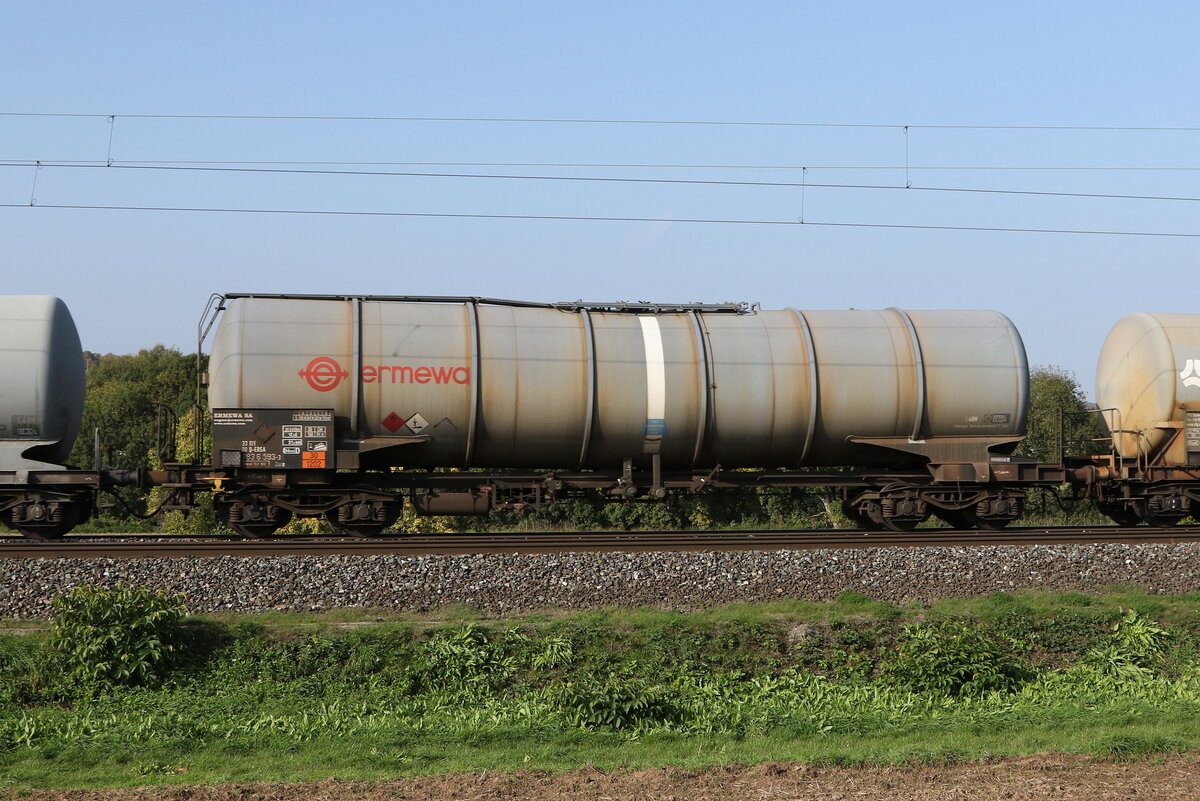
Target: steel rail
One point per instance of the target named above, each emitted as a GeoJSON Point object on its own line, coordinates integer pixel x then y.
{"type": "Point", "coordinates": [89, 547]}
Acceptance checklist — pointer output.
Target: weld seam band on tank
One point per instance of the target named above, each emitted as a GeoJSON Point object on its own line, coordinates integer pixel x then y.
{"type": "Point", "coordinates": [656, 384]}
{"type": "Point", "coordinates": [814, 389]}
{"type": "Point", "coordinates": [702, 362]}
{"type": "Point", "coordinates": [356, 395]}
{"type": "Point", "coordinates": [918, 368]}
{"type": "Point", "coordinates": [1146, 448]}
{"type": "Point", "coordinates": [710, 419]}
{"type": "Point", "coordinates": [241, 342]}
{"type": "Point", "coordinates": [589, 344]}
{"type": "Point", "coordinates": [473, 319]}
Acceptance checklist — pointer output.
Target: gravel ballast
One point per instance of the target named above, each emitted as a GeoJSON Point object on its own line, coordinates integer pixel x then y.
{"type": "Point", "coordinates": [515, 583]}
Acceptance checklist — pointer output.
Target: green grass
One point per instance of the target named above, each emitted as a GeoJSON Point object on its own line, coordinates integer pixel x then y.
{"type": "Point", "coordinates": [289, 696]}
{"type": "Point", "coordinates": [381, 757]}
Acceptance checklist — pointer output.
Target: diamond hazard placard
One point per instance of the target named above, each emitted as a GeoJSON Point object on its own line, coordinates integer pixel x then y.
{"type": "Point", "coordinates": [393, 422]}
{"type": "Point", "coordinates": [417, 423]}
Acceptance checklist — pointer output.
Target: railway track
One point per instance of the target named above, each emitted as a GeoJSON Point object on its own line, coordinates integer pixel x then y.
{"type": "Point", "coordinates": [127, 546]}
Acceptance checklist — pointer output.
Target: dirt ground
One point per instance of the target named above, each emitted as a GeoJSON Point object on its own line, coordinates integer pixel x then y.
{"type": "Point", "coordinates": [1044, 776]}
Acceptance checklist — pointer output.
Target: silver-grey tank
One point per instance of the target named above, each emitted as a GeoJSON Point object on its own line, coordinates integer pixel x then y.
{"type": "Point", "coordinates": [495, 385]}
{"type": "Point", "coordinates": [41, 382]}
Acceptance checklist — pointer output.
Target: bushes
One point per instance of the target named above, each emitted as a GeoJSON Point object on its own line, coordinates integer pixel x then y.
{"type": "Point", "coordinates": [122, 636]}
{"type": "Point", "coordinates": [613, 702]}
{"type": "Point", "coordinates": [599, 677]}
{"type": "Point", "coordinates": [1137, 645]}
{"type": "Point", "coordinates": [953, 659]}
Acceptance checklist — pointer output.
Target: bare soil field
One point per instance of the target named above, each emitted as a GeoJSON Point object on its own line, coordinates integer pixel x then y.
{"type": "Point", "coordinates": [1061, 777]}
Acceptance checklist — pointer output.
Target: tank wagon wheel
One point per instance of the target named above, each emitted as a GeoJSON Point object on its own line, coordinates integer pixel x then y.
{"type": "Point", "coordinates": [883, 522]}
{"type": "Point", "coordinates": [251, 518]}
{"type": "Point", "coordinates": [1162, 511]}
{"type": "Point", "coordinates": [875, 514]}
{"type": "Point", "coordinates": [902, 508]}
{"type": "Point", "coordinates": [869, 514]}
{"type": "Point", "coordinates": [994, 512]}
{"type": "Point", "coordinates": [356, 529]}
{"type": "Point", "coordinates": [855, 516]}
{"type": "Point", "coordinates": [368, 514]}
{"type": "Point", "coordinates": [900, 525]}
{"type": "Point", "coordinates": [69, 515]}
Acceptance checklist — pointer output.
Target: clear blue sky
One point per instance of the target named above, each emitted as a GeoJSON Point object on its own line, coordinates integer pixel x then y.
{"type": "Point", "coordinates": [134, 279]}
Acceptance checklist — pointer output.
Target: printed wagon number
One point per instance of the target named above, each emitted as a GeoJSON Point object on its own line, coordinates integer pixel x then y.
{"type": "Point", "coordinates": [312, 459]}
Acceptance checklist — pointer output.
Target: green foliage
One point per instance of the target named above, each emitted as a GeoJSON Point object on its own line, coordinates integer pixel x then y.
{"type": "Point", "coordinates": [121, 395]}
{"type": "Point", "coordinates": [1136, 647]}
{"type": "Point", "coordinates": [467, 657]}
{"type": "Point", "coordinates": [712, 509]}
{"type": "Point", "coordinates": [1052, 389]}
{"type": "Point", "coordinates": [953, 659]}
{"type": "Point", "coordinates": [837, 681]}
{"type": "Point", "coordinates": [119, 636]}
{"type": "Point", "coordinates": [25, 670]}
{"type": "Point", "coordinates": [612, 702]}
{"type": "Point", "coordinates": [123, 392]}
{"type": "Point", "coordinates": [1126, 746]}
{"type": "Point", "coordinates": [200, 519]}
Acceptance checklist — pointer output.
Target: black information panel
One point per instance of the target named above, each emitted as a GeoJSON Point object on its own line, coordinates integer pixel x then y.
{"type": "Point", "coordinates": [282, 439]}
{"type": "Point", "coordinates": [1191, 434]}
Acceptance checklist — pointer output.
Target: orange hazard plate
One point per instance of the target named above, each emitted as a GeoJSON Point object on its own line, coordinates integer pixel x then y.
{"type": "Point", "coordinates": [313, 458]}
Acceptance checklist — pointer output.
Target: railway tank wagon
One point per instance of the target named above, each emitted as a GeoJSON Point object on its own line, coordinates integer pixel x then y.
{"type": "Point", "coordinates": [668, 392]}
{"type": "Point", "coordinates": [1148, 391]}
{"type": "Point", "coordinates": [41, 406]}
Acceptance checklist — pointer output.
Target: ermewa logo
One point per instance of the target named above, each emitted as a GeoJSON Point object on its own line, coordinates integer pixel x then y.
{"type": "Point", "coordinates": [1190, 374]}
{"type": "Point", "coordinates": [324, 374]}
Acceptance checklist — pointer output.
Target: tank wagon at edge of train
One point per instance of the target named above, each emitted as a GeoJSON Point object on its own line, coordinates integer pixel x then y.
{"type": "Point", "coordinates": [1148, 391]}
{"type": "Point", "coordinates": [41, 405]}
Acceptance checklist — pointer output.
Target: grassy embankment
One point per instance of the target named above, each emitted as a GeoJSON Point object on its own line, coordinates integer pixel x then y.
{"type": "Point", "coordinates": [291, 697]}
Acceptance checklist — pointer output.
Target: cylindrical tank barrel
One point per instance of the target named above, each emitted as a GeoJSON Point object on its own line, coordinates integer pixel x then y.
{"type": "Point", "coordinates": [1149, 376]}
{"type": "Point", "coordinates": [494, 385]}
{"type": "Point", "coordinates": [41, 381]}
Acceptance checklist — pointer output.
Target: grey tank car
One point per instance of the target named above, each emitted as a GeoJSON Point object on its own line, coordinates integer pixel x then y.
{"type": "Point", "coordinates": [470, 384]}
{"type": "Point", "coordinates": [41, 395]}
{"type": "Point", "coordinates": [635, 400]}
{"type": "Point", "coordinates": [41, 406]}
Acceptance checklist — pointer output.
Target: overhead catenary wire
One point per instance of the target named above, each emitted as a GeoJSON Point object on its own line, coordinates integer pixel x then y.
{"type": "Point", "coordinates": [584, 218]}
{"type": "Point", "coordinates": [606, 179]}
{"type": "Point", "coordinates": [631, 165]}
{"type": "Point", "coordinates": [601, 121]}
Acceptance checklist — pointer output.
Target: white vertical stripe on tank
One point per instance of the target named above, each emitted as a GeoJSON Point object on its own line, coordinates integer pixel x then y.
{"type": "Point", "coordinates": [656, 385]}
